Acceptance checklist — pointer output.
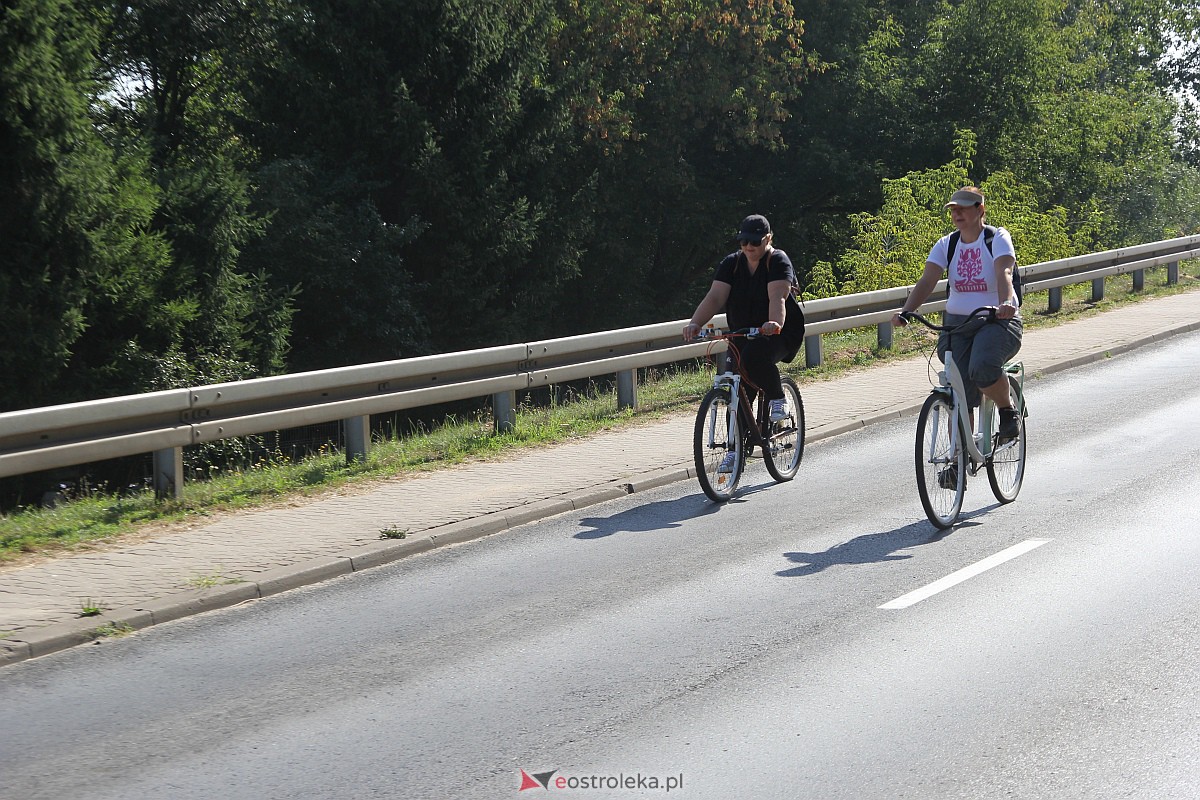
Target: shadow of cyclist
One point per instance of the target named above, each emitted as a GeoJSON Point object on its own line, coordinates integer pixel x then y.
{"type": "Point", "coordinates": [869, 549]}
{"type": "Point", "coordinates": [656, 516]}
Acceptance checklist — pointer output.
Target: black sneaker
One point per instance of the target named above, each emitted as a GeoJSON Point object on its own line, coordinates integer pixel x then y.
{"type": "Point", "coordinates": [1009, 429]}
{"type": "Point", "coordinates": [948, 477]}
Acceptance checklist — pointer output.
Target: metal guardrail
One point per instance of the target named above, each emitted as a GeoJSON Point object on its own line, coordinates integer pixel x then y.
{"type": "Point", "coordinates": [163, 423]}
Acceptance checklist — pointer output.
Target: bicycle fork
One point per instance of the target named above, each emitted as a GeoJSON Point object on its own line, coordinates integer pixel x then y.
{"type": "Point", "coordinates": [961, 434]}
{"type": "Point", "coordinates": [978, 442]}
{"type": "Point", "coordinates": [728, 384]}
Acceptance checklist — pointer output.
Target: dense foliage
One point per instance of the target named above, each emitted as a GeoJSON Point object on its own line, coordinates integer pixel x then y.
{"type": "Point", "coordinates": [197, 193]}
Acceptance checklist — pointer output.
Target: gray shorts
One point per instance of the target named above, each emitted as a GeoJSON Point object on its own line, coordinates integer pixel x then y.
{"type": "Point", "coordinates": [980, 350]}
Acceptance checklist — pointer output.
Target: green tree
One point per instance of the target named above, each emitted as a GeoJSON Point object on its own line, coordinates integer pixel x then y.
{"type": "Point", "coordinates": [1100, 132]}
{"type": "Point", "coordinates": [182, 70]}
{"type": "Point", "coordinates": [821, 282]}
{"type": "Point", "coordinates": [433, 118]}
{"type": "Point", "coordinates": [890, 248]}
{"type": "Point", "coordinates": [863, 118]}
{"type": "Point", "coordinates": [355, 303]}
{"type": "Point", "coordinates": [78, 256]}
{"type": "Point", "coordinates": [1070, 95]}
{"type": "Point", "coordinates": [683, 106]}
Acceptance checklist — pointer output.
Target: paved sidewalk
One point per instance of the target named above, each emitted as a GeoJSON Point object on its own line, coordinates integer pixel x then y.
{"type": "Point", "coordinates": [259, 553]}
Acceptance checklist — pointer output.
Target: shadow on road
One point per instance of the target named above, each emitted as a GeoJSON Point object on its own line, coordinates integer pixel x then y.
{"type": "Point", "coordinates": [870, 548]}
{"type": "Point", "coordinates": [655, 516]}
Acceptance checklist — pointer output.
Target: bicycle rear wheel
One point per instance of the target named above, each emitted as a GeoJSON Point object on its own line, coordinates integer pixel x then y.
{"type": "Point", "coordinates": [785, 441]}
{"type": "Point", "coordinates": [718, 432]}
{"type": "Point", "coordinates": [941, 467]}
{"type": "Point", "coordinates": [1006, 468]}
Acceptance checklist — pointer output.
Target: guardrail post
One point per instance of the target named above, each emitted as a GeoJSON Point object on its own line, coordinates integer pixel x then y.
{"type": "Point", "coordinates": [168, 474]}
{"type": "Point", "coordinates": [1055, 299]}
{"type": "Point", "coordinates": [1172, 273]}
{"type": "Point", "coordinates": [1139, 279]}
{"type": "Point", "coordinates": [627, 389]}
{"type": "Point", "coordinates": [883, 333]}
{"type": "Point", "coordinates": [814, 351]}
{"type": "Point", "coordinates": [358, 437]}
{"type": "Point", "coordinates": [504, 411]}
{"type": "Point", "coordinates": [1097, 289]}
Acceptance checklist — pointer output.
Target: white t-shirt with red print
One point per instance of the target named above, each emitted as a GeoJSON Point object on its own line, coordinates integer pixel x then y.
{"type": "Point", "coordinates": [972, 276]}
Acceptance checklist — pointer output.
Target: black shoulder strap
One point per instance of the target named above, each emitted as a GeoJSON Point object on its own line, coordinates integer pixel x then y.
{"type": "Point", "coordinates": [989, 233]}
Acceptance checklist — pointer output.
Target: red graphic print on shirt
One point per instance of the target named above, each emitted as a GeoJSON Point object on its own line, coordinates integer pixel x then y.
{"type": "Point", "coordinates": [970, 270]}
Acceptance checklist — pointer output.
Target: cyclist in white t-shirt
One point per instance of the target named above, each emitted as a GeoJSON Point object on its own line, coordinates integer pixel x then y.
{"type": "Point", "coordinates": [979, 276]}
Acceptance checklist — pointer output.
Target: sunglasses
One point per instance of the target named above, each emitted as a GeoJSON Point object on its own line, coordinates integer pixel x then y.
{"type": "Point", "coordinates": [751, 242]}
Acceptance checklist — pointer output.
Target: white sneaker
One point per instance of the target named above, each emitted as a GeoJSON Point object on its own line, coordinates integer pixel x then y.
{"type": "Point", "coordinates": [779, 411]}
{"type": "Point", "coordinates": [728, 462]}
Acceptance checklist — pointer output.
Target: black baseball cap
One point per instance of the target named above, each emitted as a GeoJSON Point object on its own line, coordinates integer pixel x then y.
{"type": "Point", "coordinates": [754, 228]}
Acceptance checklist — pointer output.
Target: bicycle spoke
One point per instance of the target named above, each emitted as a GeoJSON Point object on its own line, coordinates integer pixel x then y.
{"type": "Point", "coordinates": [785, 440]}
{"type": "Point", "coordinates": [717, 434]}
{"type": "Point", "coordinates": [941, 464]}
{"type": "Point", "coordinates": [1006, 467]}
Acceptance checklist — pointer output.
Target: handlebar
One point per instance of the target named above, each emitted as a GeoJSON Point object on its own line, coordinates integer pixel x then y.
{"type": "Point", "coordinates": [990, 311]}
{"type": "Point", "coordinates": [713, 334]}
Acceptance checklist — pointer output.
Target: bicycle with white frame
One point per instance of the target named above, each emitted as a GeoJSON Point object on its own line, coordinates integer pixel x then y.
{"type": "Point", "coordinates": [731, 420]}
{"type": "Point", "coordinates": [948, 449]}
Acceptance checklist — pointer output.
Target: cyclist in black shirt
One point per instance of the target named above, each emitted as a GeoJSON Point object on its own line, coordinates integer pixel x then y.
{"type": "Point", "coordinates": [751, 286]}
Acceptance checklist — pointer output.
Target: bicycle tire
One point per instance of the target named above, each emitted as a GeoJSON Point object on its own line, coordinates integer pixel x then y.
{"type": "Point", "coordinates": [1006, 467]}
{"type": "Point", "coordinates": [785, 441]}
{"type": "Point", "coordinates": [942, 503]}
{"type": "Point", "coordinates": [714, 409]}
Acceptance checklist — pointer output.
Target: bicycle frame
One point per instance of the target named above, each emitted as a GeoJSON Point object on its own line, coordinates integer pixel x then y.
{"type": "Point", "coordinates": [945, 456]}
{"type": "Point", "coordinates": [728, 422]}
{"type": "Point", "coordinates": [733, 379]}
{"type": "Point", "coordinates": [979, 444]}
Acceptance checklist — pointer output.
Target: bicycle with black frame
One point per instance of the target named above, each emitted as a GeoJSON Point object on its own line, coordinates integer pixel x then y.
{"type": "Point", "coordinates": [734, 418]}
{"type": "Point", "coordinates": [949, 448]}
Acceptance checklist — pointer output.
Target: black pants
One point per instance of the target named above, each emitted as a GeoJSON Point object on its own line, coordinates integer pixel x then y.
{"type": "Point", "coordinates": [758, 358]}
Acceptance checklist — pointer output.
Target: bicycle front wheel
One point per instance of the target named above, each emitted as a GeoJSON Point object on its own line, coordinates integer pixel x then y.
{"type": "Point", "coordinates": [1006, 468]}
{"type": "Point", "coordinates": [718, 433]}
{"type": "Point", "coordinates": [785, 439]}
{"type": "Point", "coordinates": [941, 466]}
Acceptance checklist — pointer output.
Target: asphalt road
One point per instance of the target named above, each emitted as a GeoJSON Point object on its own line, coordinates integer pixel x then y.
{"type": "Point", "coordinates": [740, 650]}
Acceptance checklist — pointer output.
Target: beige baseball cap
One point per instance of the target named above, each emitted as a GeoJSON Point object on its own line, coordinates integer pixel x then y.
{"type": "Point", "coordinates": [965, 197]}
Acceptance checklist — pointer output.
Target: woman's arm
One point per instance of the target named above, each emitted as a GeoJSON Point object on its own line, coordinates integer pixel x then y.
{"type": "Point", "coordinates": [920, 293]}
{"type": "Point", "coordinates": [713, 302]}
{"type": "Point", "coordinates": [1004, 287]}
{"type": "Point", "coordinates": [777, 292]}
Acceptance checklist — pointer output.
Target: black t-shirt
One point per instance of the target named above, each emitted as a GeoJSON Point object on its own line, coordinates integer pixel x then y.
{"type": "Point", "coordinates": [749, 304]}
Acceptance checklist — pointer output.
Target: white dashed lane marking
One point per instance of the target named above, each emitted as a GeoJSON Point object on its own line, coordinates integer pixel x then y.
{"type": "Point", "coordinates": [955, 578]}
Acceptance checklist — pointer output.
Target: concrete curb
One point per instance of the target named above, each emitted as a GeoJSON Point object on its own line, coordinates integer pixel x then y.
{"type": "Point", "coordinates": [1109, 352]}
{"type": "Point", "coordinates": [63, 635]}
